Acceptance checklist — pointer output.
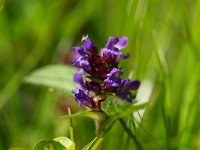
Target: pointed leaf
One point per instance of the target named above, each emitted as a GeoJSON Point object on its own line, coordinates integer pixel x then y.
{"type": "Point", "coordinates": [58, 77]}
{"type": "Point", "coordinates": [88, 146]}
{"type": "Point", "coordinates": [81, 113]}
{"type": "Point", "coordinates": [113, 106]}
{"type": "Point", "coordinates": [67, 143]}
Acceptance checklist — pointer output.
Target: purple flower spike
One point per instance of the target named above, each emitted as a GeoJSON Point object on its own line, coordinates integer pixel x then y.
{"type": "Point", "coordinates": [101, 73]}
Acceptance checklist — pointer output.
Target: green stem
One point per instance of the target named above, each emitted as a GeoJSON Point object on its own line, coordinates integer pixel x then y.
{"type": "Point", "coordinates": [97, 143]}
{"type": "Point", "coordinates": [104, 128]}
{"type": "Point", "coordinates": [71, 132]}
{"type": "Point", "coordinates": [129, 132]}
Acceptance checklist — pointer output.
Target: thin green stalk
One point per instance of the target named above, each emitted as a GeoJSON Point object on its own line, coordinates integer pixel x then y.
{"type": "Point", "coordinates": [104, 128]}
{"type": "Point", "coordinates": [166, 126]}
{"type": "Point", "coordinates": [97, 143]}
{"type": "Point", "coordinates": [87, 147]}
{"type": "Point", "coordinates": [129, 132]}
{"type": "Point", "coordinates": [149, 134]}
{"type": "Point", "coordinates": [71, 132]}
{"type": "Point", "coordinates": [166, 106]}
{"type": "Point", "coordinates": [165, 73]}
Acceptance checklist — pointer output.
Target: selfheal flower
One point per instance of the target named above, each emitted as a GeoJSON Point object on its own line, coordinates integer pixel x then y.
{"type": "Point", "coordinates": [99, 75]}
{"type": "Point", "coordinates": [78, 79]}
{"type": "Point", "coordinates": [111, 52]}
{"type": "Point", "coordinates": [125, 88]}
{"type": "Point", "coordinates": [82, 62]}
{"type": "Point", "coordinates": [82, 98]}
{"type": "Point", "coordinates": [122, 43]}
{"type": "Point", "coordinates": [113, 80]}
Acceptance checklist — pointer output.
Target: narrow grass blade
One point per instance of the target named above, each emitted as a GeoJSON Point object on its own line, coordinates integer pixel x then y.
{"type": "Point", "coordinates": [88, 146]}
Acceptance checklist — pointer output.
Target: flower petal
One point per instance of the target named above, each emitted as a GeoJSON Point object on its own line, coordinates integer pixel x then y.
{"type": "Point", "coordinates": [112, 41]}
{"type": "Point", "coordinates": [78, 79]}
{"type": "Point", "coordinates": [82, 62]}
{"type": "Point", "coordinates": [125, 88]}
{"type": "Point", "coordinates": [113, 79]}
{"type": "Point", "coordinates": [134, 85]}
{"type": "Point", "coordinates": [122, 43]}
{"type": "Point", "coordinates": [89, 46]}
{"type": "Point", "coordinates": [80, 50]}
{"type": "Point", "coordinates": [81, 98]}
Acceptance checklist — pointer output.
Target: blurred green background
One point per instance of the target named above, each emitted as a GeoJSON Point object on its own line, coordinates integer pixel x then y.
{"type": "Point", "coordinates": [164, 47]}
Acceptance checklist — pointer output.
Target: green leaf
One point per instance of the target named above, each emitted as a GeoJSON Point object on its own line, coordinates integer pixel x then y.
{"type": "Point", "coordinates": [96, 115]}
{"type": "Point", "coordinates": [131, 134]}
{"type": "Point", "coordinates": [67, 143]}
{"type": "Point", "coordinates": [81, 113]}
{"type": "Point", "coordinates": [88, 146]}
{"type": "Point", "coordinates": [60, 143]}
{"type": "Point", "coordinates": [113, 106]}
{"type": "Point", "coordinates": [132, 108]}
{"type": "Point", "coordinates": [58, 77]}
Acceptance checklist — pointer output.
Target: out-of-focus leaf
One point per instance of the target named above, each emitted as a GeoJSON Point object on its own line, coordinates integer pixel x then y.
{"type": "Point", "coordinates": [96, 115]}
{"type": "Point", "coordinates": [81, 113]}
{"type": "Point", "coordinates": [114, 106]}
{"type": "Point", "coordinates": [58, 77]}
{"type": "Point", "coordinates": [88, 146]}
{"type": "Point", "coordinates": [132, 108]}
{"type": "Point", "coordinates": [70, 145]}
{"type": "Point", "coordinates": [60, 143]}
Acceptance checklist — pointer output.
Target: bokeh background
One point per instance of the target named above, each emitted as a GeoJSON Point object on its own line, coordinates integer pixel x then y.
{"type": "Point", "coordinates": [164, 47]}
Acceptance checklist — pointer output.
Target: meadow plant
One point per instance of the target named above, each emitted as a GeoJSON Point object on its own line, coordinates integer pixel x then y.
{"type": "Point", "coordinates": [99, 75]}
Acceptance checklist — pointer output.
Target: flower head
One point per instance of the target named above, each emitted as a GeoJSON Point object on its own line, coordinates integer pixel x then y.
{"type": "Point", "coordinates": [99, 75]}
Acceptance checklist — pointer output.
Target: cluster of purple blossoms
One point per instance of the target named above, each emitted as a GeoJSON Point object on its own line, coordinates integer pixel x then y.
{"type": "Point", "coordinates": [98, 75]}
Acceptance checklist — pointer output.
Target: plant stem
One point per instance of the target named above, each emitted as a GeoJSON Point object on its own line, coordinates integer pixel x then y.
{"type": "Point", "coordinates": [129, 132]}
{"type": "Point", "coordinates": [97, 143]}
{"type": "Point", "coordinates": [71, 132]}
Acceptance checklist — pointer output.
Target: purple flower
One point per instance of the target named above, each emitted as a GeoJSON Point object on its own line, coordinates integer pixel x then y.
{"type": "Point", "coordinates": [112, 41]}
{"type": "Point", "coordinates": [82, 62]}
{"type": "Point", "coordinates": [113, 80]}
{"type": "Point", "coordinates": [101, 73]}
{"type": "Point", "coordinates": [124, 91]}
{"type": "Point", "coordinates": [82, 98]}
{"type": "Point", "coordinates": [89, 46]}
{"type": "Point", "coordinates": [80, 50]}
{"type": "Point", "coordinates": [84, 55]}
{"type": "Point", "coordinates": [78, 79]}
{"type": "Point", "coordinates": [111, 52]}
{"type": "Point", "coordinates": [122, 43]}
